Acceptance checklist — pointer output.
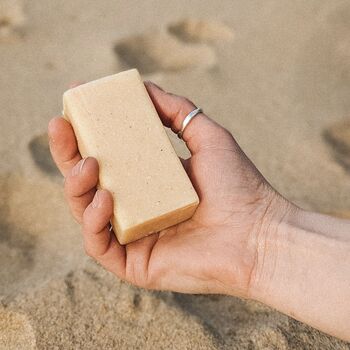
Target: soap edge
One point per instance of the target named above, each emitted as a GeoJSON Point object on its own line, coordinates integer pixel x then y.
{"type": "Point", "coordinates": [101, 81]}
{"type": "Point", "coordinates": [188, 211]}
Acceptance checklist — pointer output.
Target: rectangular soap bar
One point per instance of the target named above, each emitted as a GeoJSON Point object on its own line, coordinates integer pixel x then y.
{"type": "Point", "coordinates": [115, 121]}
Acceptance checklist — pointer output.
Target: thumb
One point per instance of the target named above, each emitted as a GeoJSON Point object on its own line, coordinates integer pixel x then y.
{"type": "Point", "coordinates": [201, 133]}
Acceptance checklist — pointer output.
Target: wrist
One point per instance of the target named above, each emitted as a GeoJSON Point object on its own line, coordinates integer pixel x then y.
{"type": "Point", "coordinates": [271, 238]}
{"type": "Point", "coordinates": [291, 243]}
{"type": "Point", "coordinates": [302, 270]}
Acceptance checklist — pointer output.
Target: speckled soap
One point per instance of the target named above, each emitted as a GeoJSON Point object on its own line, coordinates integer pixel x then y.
{"type": "Point", "coordinates": [115, 121]}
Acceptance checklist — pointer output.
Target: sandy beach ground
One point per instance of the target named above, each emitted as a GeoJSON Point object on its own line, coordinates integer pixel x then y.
{"type": "Point", "coordinates": [275, 73]}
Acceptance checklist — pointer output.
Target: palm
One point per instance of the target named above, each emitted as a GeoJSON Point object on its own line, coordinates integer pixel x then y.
{"type": "Point", "coordinates": [192, 256]}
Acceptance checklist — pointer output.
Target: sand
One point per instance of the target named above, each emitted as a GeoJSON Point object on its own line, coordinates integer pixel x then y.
{"type": "Point", "coordinates": [275, 73]}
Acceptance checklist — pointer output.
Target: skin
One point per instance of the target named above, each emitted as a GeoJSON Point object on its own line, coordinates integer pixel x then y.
{"type": "Point", "coordinates": [245, 239]}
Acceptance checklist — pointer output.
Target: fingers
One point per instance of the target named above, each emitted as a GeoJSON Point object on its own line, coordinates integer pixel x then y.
{"type": "Point", "coordinates": [80, 186]}
{"type": "Point", "coordinates": [82, 178]}
{"type": "Point", "coordinates": [63, 144]}
{"type": "Point", "coordinates": [201, 132]}
{"type": "Point", "coordinates": [99, 242]}
{"type": "Point", "coordinates": [81, 174]}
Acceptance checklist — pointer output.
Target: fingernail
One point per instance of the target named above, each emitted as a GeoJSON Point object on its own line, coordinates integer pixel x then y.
{"type": "Point", "coordinates": [77, 169]}
{"type": "Point", "coordinates": [96, 201]}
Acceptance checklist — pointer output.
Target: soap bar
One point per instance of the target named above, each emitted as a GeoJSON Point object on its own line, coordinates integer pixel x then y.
{"type": "Point", "coordinates": [116, 122]}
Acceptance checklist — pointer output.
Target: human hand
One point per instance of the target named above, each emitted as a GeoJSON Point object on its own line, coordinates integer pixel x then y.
{"type": "Point", "coordinates": [217, 250]}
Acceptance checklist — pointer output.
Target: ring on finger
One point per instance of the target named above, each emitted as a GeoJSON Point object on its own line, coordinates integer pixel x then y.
{"type": "Point", "coordinates": [187, 120]}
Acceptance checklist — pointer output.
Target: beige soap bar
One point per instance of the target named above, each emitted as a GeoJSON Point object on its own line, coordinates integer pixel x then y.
{"type": "Point", "coordinates": [115, 121]}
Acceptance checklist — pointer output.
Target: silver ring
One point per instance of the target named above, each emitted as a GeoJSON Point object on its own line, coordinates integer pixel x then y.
{"type": "Point", "coordinates": [187, 120]}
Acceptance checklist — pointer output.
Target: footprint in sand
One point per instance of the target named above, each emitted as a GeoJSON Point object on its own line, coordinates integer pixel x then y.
{"type": "Point", "coordinates": [181, 46]}
{"type": "Point", "coordinates": [160, 51]}
{"type": "Point", "coordinates": [16, 255]}
{"type": "Point", "coordinates": [33, 215]}
{"type": "Point", "coordinates": [16, 331]}
{"type": "Point", "coordinates": [12, 19]}
{"type": "Point", "coordinates": [40, 151]}
{"type": "Point", "coordinates": [196, 30]}
{"type": "Point", "coordinates": [16, 245]}
{"type": "Point", "coordinates": [338, 136]}
{"type": "Point", "coordinates": [322, 68]}
{"type": "Point", "coordinates": [340, 46]}
{"type": "Point", "coordinates": [35, 205]}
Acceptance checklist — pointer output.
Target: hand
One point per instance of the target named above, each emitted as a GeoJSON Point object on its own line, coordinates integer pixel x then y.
{"type": "Point", "coordinates": [216, 250]}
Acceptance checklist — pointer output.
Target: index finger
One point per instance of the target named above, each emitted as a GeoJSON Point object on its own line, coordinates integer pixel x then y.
{"type": "Point", "coordinates": [63, 144]}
